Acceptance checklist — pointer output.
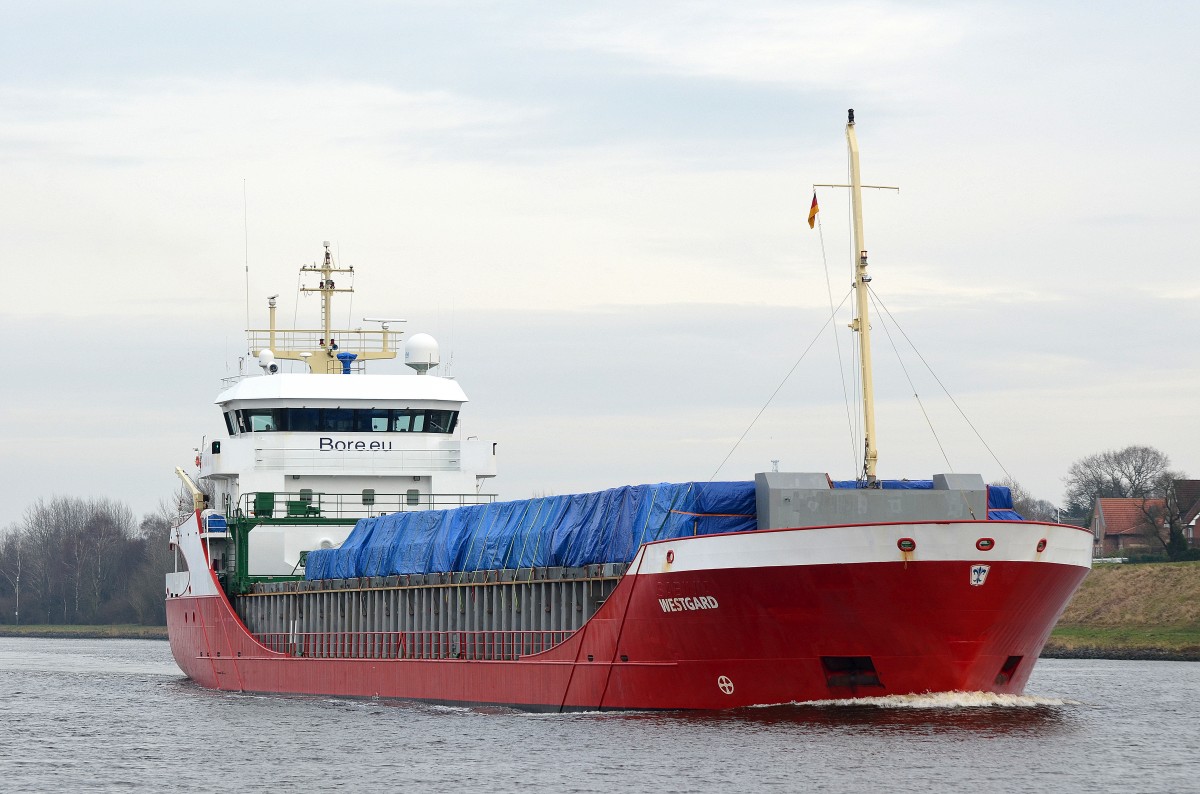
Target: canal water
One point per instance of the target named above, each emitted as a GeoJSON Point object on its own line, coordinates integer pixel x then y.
{"type": "Point", "coordinates": [116, 715]}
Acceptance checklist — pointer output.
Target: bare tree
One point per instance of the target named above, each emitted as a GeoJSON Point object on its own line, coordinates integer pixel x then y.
{"type": "Point", "coordinates": [1162, 519]}
{"type": "Point", "coordinates": [46, 573]}
{"type": "Point", "coordinates": [10, 568]}
{"type": "Point", "coordinates": [110, 546]}
{"type": "Point", "coordinates": [1132, 472]}
{"type": "Point", "coordinates": [145, 595]}
{"type": "Point", "coordinates": [81, 561]}
{"type": "Point", "coordinates": [1027, 505]}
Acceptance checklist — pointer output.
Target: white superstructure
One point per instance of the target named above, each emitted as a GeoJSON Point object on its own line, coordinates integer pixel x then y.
{"type": "Point", "coordinates": [392, 433]}
{"type": "Point", "coordinates": [336, 443]}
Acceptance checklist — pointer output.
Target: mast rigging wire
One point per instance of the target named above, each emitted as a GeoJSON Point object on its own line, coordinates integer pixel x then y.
{"type": "Point", "coordinates": [777, 388]}
{"type": "Point", "coordinates": [953, 402]}
{"type": "Point", "coordinates": [904, 369]}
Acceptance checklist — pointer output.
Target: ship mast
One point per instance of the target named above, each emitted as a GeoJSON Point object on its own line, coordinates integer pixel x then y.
{"type": "Point", "coordinates": [319, 348]}
{"type": "Point", "coordinates": [327, 288]}
{"type": "Point", "coordinates": [862, 319]}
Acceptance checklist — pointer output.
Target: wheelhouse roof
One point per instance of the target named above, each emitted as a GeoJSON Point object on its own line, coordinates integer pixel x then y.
{"type": "Point", "coordinates": [376, 388]}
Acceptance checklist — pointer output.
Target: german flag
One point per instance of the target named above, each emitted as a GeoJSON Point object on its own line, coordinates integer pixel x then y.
{"type": "Point", "coordinates": [812, 212]}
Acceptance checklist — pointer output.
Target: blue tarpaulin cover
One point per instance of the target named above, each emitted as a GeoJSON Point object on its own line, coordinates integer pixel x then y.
{"type": "Point", "coordinates": [1000, 504]}
{"type": "Point", "coordinates": [571, 530]}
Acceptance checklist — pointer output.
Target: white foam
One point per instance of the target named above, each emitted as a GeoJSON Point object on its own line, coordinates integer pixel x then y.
{"type": "Point", "coordinates": [445, 708]}
{"type": "Point", "coordinates": [945, 700]}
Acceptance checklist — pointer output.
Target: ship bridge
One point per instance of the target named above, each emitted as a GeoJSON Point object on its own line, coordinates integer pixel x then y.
{"type": "Point", "coordinates": [386, 433]}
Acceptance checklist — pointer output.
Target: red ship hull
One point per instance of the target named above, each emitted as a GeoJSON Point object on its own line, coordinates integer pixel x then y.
{"type": "Point", "coordinates": [683, 632]}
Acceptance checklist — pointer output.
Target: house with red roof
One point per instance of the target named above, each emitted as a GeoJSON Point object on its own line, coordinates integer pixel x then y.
{"type": "Point", "coordinates": [1122, 525]}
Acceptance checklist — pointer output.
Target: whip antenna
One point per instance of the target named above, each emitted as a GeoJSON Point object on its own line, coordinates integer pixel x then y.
{"type": "Point", "coordinates": [246, 244]}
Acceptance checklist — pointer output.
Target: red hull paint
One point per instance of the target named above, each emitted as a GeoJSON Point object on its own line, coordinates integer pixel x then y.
{"type": "Point", "coordinates": [922, 623]}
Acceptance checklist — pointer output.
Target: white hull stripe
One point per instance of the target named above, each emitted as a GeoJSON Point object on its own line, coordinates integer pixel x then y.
{"type": "Point", "coordinates": [871, 543]}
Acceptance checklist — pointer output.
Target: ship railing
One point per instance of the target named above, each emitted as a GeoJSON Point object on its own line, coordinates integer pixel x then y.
{"type": "Point", "coordinates": [232, 380]}
{"type": "Point", "coordinates": [367, 462]}
{"type": "Point", "coordinates": [350, 341]}
{"type": "Point", "coordinates": [435, 645]}
{"type": "Point", "coordinates": [316, 504]}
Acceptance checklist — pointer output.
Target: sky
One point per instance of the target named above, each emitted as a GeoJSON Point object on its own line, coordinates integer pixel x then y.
{"type": "Point", "coordinates": [599, 210]}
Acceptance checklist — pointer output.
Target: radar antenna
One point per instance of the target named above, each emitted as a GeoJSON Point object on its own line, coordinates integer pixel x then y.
{"type": "Point", "coordinates": [384, 322]}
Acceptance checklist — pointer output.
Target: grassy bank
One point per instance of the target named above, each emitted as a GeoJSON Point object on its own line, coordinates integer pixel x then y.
{"type": "Point", "coordinates": [1133, 611]}
{"type": "Point", "coordinates": [113, 632]}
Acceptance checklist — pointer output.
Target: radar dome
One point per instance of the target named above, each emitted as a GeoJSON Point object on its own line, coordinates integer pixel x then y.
{"type": "Point", "coordinates": [421, 352]}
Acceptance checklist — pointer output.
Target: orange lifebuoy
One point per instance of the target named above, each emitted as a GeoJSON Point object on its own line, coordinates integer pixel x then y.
{"type": "Point", "coordinates": [197, 461]}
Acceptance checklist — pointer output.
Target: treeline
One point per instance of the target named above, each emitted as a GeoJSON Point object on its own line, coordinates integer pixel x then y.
{"type": "Point", "coordinates": [84, 561]}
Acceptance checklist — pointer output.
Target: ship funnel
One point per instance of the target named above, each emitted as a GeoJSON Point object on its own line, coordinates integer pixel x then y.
{"type": "Point", "coordinates": [421, 353]}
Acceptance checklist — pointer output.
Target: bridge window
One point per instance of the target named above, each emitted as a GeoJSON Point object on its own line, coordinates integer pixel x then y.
{"type": "Point", "coordinates": [441, 421]}
{"type": "Point", "coordinates": [304, 420]}
{"type": "Point", "coordinates": [337, 420]}
{"type": "Point", "coordinates": [371, 420]}
{"type": "Point", "coordinates": [408, 421]}
{"type": "Point", "coordinates": [341, 420]}
{"type": "Point", "coordinates": [260, 420]}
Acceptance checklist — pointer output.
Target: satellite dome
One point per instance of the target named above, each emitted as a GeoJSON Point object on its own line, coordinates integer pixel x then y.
{"type": "Point", "coordinates": [421, 352]}
{"type": "Point", "coordinates": [266, 360]}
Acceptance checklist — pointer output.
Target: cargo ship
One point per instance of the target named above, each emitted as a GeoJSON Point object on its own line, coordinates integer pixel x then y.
{"type": "Point", "coordinates": [343, 541]}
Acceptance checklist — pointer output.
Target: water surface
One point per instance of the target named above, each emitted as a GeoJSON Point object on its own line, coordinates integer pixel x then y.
{"type": "Point", "coordinates": [116, 715]}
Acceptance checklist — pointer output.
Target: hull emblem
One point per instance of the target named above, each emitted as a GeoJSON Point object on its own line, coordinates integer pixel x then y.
{"type": "Point", "coordinates": [979, 574]}
{"type": "Point", "coordinates": [725, 685]}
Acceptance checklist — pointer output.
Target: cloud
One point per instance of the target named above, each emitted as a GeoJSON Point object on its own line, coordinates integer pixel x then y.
{"type": "Point", "coordinates": [863, 45]}
{"type": "Point", "coordinates": [606, 208]}
{"type": "Point", "coordinates": [128, 201]}
{"type": "Point", "coordinates": [180, 121]}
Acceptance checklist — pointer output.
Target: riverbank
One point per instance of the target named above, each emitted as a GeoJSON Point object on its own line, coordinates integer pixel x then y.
{"type": "Point", "coordinates": [1161, 643]}
{"type": "Point", "coordinates": [1149, 611]}
{"type": "Point", "coordinates": [113, 632]}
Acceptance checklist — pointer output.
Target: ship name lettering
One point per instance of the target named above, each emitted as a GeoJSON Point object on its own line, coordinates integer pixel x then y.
{"type": "Point", "coordinates": [338, 445]}
{"type": "Point", "coordinates": [687, 604]}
